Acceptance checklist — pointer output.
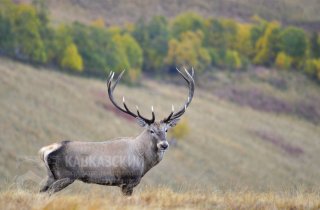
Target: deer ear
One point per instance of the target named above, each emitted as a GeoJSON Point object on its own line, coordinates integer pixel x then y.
{"type": "Point", "coordinates": [141, 122]}
{"type": "Point", "coordinates": [173, 122]}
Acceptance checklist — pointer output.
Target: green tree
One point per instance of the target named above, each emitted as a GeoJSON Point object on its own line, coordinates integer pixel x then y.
{"type": "Point", "coordinates": [294, 42]}
{"type": "Point", "coordinates": [153, 37]}
{"type": "Point", "coordinates": [6, 33]}
{"type": "Point", "coordinates": [157, 47]}
{"type": "Point", "coordinates": [132, 50]}
{"type": "Point", "coordinates": [47, 33]}
{"type": "Point", "coordinates": [221, 34]}
{"type": "Point", "coordinates": [72, 59]}
{"type": "Point", "coordinates": [188, 21]}
{"type": "Point", "coordinates": [57, 40]}
{"type": "Point", "coordinates": [140, 32]}
{"type": "Point", "coordinates": [28, 42]}
{"type": "Point", "coordinates": [99, 52]}
{"type": "Point", "coordinates": [215, 35]}
{"type": "Point", "coordinates": [6, 27]}
{"type": "Point", "coordinates": [131, 55]}
{"type": "Point", "coordinates": [42, 9]}
{"type": "Point", "coordinates": [230, 32]}
{"type": "Point", "coordinates": [315, 45]}
{"type": "Point", "coordinates": [215, 57]}
{"type": "Point", "coordinates": [232, 60]}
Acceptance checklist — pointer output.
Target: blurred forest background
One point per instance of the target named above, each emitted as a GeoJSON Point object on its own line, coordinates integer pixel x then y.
{"type": "Point", "coordinates": [254, 121]}
{"type": "Point", "coordinates": [272, 37]}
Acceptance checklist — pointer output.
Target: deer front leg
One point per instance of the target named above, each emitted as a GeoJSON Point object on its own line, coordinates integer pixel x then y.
{"type": "Point", "coordinates": [127, 190]}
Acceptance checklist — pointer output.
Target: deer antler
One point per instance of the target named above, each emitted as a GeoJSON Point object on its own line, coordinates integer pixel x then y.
{"type": "Point", "coordinates": [126, 109]}
{"type": "Point", "coordinates": [190, 80]}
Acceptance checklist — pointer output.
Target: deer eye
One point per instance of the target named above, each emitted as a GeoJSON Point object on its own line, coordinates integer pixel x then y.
{"type": "Point", "coordinates": [151, 131]}
{"type": "Point", "coordinates": [166, 130]}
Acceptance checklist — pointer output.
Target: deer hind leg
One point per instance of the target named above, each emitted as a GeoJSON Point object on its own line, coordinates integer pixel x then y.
{"type": "Point", "coordinates": [44, 155]}
{"type": "Point", "coordinates": [49, 182]}
{"type": "Point", "coordinates": [59, 185]}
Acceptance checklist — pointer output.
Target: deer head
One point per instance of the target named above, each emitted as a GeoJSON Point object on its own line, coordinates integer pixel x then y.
{"type": "Point", "coordinates": [156, 130]}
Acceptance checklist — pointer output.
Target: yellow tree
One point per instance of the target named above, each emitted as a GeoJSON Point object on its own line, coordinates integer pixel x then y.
{"type": "Point", "coordinates": [312, 67]}
{"type": "Point", "coordinates": [181, 130]}
{"type": "Point", "coordinates": [243, 43]}
{"type": "Point", "coordinates": [188, 50]}
{"type": "Point", "coordinates": [283, 61]}
{"type": "Point", "coordinates": [267, 45]}
{"type": "Point", "coordinates": [131, 54]}
{"type": "Point", "coordinates": [230, 29]}
{"type": "Point", "coordinates": [99, 22]}
{"type": "Point", "coordinates": [72, 59]}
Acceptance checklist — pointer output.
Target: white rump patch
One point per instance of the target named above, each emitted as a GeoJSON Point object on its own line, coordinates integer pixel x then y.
{"type": "Point", "coordinates": [45, 151]}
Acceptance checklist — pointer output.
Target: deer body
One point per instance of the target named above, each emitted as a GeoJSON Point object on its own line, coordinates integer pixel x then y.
{"type": "Point", "coordinates": [121, 162]}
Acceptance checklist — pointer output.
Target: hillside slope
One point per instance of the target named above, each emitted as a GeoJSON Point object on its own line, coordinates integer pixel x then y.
{"type": "Point", "coordinates": [115, 12]}
{"type": "Point", "coordinates": [229, 146]}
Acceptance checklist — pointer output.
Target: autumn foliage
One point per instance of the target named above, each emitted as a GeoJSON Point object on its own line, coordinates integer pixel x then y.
{"type": "Point", "coordinates": [156, 45]}
{"type": "Point", "coordinates": [181, 130]}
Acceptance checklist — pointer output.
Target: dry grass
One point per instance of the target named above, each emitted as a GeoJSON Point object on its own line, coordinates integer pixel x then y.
{"type": "Point", "coordinates": [120, 12]}
{"type": "Point", "coordinates": [160, 198]}
{"type": "Point", "coordinates": [269, 90]}
{"type": "Point", "coordinates": [222, 150]}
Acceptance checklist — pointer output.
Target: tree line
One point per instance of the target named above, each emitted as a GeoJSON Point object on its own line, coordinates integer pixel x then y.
{"type": "Point", "coordinates": [155, 45]}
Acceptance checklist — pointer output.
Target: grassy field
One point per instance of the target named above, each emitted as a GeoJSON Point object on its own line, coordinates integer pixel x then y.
{"type": "Point", "coordinates": [236, 154]}
{"type": "Point", "coordinates": [161, 198]}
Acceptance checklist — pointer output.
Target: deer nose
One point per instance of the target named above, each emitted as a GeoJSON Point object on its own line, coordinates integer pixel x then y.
{"type": "Point", "coordinates": [164, 145]}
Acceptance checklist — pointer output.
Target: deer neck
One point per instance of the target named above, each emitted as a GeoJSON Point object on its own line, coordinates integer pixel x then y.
{"type": "Point", "coordinates": [147, 148]}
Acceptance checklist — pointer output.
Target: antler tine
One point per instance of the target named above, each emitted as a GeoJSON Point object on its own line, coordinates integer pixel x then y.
{"type": "Point", "coordinates": [117, 80]}
{"type": "Point", "coordinates": [145, 119]}
{"type": "Point", "coordinates": [188, 74]}
{"type": "Point", "coordinates": [184, 77]}
{"type": "Point", "coordinates": [153, 115]}
{"type": "Point", "coordinates": [109, 76]}
{"type": "Point", "coordinates": [170, 115]}
{"type": "Point", "coordinates": [189, 79]}
{"type": "Point", "coordinates": [126, 109]}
